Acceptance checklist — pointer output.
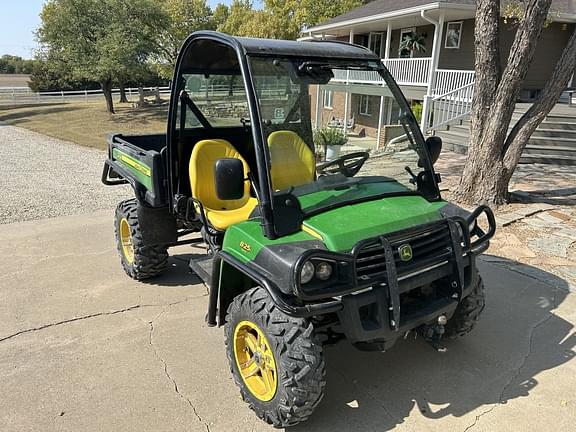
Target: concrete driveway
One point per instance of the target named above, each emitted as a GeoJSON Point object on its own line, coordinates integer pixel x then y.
{"type": "Point", "coordinates": [84, 348]}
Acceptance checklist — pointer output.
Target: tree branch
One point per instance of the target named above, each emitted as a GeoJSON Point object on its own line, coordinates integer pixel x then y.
{"type": "Point", "coordinates": [521, 54]}
{"type": "Point", "coordinates": [523, 129]}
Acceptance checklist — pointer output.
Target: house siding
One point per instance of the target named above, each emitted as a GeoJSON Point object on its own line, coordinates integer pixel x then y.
{"type": "Point", "coordinates": [458, 58]}
{"type": "Point", "coordinates": [550, 46]}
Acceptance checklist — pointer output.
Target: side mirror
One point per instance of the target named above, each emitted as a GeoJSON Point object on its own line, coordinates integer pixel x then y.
{"type": "Point", "coordinates": [434, 146]}
{"type": "Point", "coordinates": [229, 179]}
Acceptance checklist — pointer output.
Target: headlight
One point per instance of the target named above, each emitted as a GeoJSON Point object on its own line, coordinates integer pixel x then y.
{"type": "Point", "coordinates": [307, 272]}
{"type": "Point", "coordinates": [323, 271]}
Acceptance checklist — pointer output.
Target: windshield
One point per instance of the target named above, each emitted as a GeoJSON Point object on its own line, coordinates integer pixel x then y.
{"type": "Point", "coordinates": [220, 99]}
{"type": "Point", "coordinates": [318, 112]}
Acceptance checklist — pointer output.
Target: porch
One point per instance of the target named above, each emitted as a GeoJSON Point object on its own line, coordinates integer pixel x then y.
{"type": "Point", "coordinates": [440, 75]}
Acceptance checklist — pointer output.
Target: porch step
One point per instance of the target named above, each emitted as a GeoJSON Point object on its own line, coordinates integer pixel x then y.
{"type": "Point", "coordinates": [550, 150]}
{"type": "Point", "coordinates": [550, 124]}
{"type": "Point", "coordinates": [548, 159]}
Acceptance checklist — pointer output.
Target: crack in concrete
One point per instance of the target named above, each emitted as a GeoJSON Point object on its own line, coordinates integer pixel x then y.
{"type": "Point", "coordinates": [523, 362]}
{"type": "Point", "coordinates": [167, 373]}
{"type": "Point", "coordinates": [94, 315]}
{"type": "Point", "coordinates": [70, 320]}
{"type": "Point", "coordinates": [527, 215]}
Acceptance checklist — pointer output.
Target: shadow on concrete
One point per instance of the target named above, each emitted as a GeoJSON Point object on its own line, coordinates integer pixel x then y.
{"type": "Point", "coordinates": [563, 196]}
{"type": "Point", "coordinates": [517, 338]}
{"type": "Point", "coordinates": [178, 273]}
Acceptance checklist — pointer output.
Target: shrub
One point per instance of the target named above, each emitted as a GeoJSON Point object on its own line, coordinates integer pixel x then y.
{"type": "Point", "coordinates": [329, 136]}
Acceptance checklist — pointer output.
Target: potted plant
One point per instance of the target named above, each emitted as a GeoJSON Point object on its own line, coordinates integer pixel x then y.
{"type": "Point", "coordinates": [413, 42]}
{"type": "Point", "coordinates": [332, 139]}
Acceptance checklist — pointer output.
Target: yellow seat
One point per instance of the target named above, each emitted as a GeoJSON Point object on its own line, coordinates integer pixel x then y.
{"type": "Point", "coordinates": [220, 213]}
{"type": "Point", "coordinates": [292, 160]}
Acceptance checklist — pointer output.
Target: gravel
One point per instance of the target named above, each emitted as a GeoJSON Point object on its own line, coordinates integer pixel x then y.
{"type": "Point", "coordinates": [42, 177]}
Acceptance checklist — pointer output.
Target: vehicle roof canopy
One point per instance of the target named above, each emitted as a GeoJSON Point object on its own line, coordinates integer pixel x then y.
{"type": "Point", "coordinates": [203, 51]}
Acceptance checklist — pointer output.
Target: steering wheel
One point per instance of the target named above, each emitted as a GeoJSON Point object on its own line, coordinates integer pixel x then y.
{"type": "Point", "coordinates": [348, 164]}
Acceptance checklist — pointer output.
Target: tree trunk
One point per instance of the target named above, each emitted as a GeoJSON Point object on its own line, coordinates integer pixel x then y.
{"type": "Point", "coordinates": [107, 91]}
{"type": "Point", "coordinates": [486, 176]}
{"type": "Point", "coordinates": [123, 98]}
{"type": "Point", "coordinates": [141, 97]}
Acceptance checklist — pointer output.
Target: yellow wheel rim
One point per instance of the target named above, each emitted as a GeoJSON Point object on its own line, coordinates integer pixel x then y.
{"type": "Point", "coordinates": [255, 360]}
{"type": "Point", "coordinates": [126, 240]}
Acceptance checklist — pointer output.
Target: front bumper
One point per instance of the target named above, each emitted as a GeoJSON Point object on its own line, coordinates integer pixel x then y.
{"type": "Point", "coordinates": [381, 295]}
{"type": "Point", "coordinates": [368, 316]}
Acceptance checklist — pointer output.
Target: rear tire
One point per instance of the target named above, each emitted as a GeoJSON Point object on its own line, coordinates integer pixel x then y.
{"type": "Point", "coordinates": [139, 260]}
{"type": "Point", "coordinates": [468, 312]}
{"type": "Point", "coordinates": [298, 359]}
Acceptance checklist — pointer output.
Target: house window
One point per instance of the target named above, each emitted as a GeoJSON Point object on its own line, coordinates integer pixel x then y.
{"type": "Point", "coordinates": [328, 95]}
{"type": "Point", "coordinates": [365, 105]}
{"type": "Point", "coordinates": [405, 53]}
{"type": "Point", "coordinates": [453, 35]}
{"type": "Point", "coordinates": [375, 43]}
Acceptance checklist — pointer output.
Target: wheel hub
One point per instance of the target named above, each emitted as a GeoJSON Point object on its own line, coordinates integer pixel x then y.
{"type": "Point", "coordinates": [255, 360]}
{"type": "Point", "coordinates": [126, 241]}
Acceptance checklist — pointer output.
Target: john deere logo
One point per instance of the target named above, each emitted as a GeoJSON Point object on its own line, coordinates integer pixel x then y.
{"type": "Point", "coordinates": [405, 252]}
{"type": "Point", "coordinates": [245, 246]}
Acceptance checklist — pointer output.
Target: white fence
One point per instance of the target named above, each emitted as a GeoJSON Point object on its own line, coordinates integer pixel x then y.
{"type": "Point", "coordinates": [25, 96]}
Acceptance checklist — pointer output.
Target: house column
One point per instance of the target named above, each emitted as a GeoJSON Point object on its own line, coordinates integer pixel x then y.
{"type": "Point", "coordinates": [347, 98]}
{"type": "Point", "coordinates": [438, 28]}
{"type": "Point", "coordinates": [381, 110]}
{"type": "Point", "coordinates": [318, 102]}
{"type": "Point", "coordinates": [319, 99]}
{"type": "Point", "coordinates": [388, 40]}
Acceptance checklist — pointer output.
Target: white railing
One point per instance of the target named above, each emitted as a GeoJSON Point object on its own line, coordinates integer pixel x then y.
{"type": "Point", "coordinates": [450, 79]}
{"type": "Point", "coordinates": [25, 96]}
{"type": "Point", "coordinates": [410, 71]}
{"type": "Point", "coordinates": [449, 107]}
{"type": "Point", "coordinates": [357, 76]}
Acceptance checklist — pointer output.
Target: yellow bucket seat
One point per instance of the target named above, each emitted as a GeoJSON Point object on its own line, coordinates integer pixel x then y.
{"type": "Point", "coordinates": [220, 213]}
{"type": "Point", "coordinates": [292, 160]}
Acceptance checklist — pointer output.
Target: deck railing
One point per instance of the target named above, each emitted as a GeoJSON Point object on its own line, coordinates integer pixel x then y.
{"type": "Point", "coordinates": [449, 107]}
{"type": "Point", "coordinates": [450, 79]}
{"type": "Point", "coordinates": [410, 71]}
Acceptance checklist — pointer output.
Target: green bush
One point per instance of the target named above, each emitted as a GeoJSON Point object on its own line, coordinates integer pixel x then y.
{"type": "Point", "coordinates": [329, 136]}
{"type": "Point", "coordinates": [417, 110]}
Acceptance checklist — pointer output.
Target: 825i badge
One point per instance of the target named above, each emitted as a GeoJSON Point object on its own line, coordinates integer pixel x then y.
{"type": "Point", "coordinates": [245, 246]}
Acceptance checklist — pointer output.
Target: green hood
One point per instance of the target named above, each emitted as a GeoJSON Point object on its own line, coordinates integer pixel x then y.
{"type": "Point", "coordinates": [343, 227]}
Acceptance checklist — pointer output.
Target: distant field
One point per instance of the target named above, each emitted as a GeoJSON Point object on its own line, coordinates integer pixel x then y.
{"type": "Point", "coordinates": [9, 80]}
{"type": "Point", "coordinates": [86, 124]}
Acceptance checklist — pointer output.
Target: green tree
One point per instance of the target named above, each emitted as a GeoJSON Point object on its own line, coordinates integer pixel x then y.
{"type": "Point", "coordinates": [101, 40]}
{"type": "Point", "coordinates": [10, 64]}
{"type": "Point", "coordinates": [281, 19]}
{"type": "Point", "coordinates": [220, 15]}
{"type": "Point", "coordinates": [184, 17]}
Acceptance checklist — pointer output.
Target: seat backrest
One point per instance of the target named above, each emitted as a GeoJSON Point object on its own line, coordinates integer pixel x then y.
{"type": "Point", "coordinates": [292, 160]}
{"type": "Point", "coordinates": [201, 171]}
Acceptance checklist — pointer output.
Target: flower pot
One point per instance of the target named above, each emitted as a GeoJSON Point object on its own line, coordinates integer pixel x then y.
{"type": "Point", "coordinates": [332, 152]}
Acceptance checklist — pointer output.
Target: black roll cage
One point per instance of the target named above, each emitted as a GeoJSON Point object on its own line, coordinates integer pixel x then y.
{"type": "Point", "coordinates": [244, 48]}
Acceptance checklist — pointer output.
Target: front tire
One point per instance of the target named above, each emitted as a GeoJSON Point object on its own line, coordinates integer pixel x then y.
{"type": "Point", "coordinates": [276, 360]}
{"type": "Point", "coordinates": [139, 260]}
{"type": "Point", "coordinates": [468, 311]}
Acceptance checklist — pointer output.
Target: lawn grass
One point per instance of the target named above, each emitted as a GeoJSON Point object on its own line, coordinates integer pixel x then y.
{"type": "Point", "coordinates": [86, 123]}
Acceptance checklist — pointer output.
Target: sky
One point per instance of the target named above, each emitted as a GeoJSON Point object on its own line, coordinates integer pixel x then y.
{"type": "Point", "coordinates": [18, 21]}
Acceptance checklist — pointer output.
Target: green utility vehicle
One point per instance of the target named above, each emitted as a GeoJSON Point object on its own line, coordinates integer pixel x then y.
{"type": "Point", "coordinates": [297, 254]}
